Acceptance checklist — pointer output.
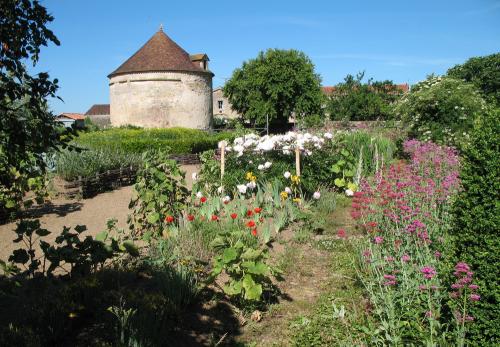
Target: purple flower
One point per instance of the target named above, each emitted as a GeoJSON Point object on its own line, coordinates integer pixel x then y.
{"type": "Point", "coordinates": [474, 297]}
{"type": "Point", "coordinates": [437, 254]}
{"type": "Point", "coordinates": [473, 286]}
{"type": "Point", "coordinates": [428, 272]}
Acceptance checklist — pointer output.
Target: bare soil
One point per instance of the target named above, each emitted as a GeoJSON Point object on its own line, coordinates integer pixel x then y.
{"type": "Point", "coordinates": [94, 213]}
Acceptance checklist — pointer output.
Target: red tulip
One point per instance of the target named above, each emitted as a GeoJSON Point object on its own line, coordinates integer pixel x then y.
{"type": "Point", "coordinates": [169, 219]}
{"type": "Point", "coordinates": [214, 217]}
{"type": "Point", "coordinates": [254, 232]}
{"type": "Point", "coordinates": [203, 199]}
{"type": "Point", "coordinates": [234, 215]}
{"type": "Point", "coordinates": [249, 213]}
{"type": "Point", "coordinates": [258, 210]}
{"type": "Point", "coordinates": [190, 217]}
{"type": "Point", "coordinates": [251, 224]}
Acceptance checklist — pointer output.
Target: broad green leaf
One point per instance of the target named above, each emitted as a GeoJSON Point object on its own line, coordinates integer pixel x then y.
{"type": "Point", "coordinates": [131, 248]}
{"type": "Point", "coordinates": [153, 217]}
{"type": "Point", "coordinates": [254, 292]}
{"type": "Point", "coordinates": [349, 173]}
{"type": "Point", "coordinates": [250, 254]}
{"type": "Point", "coordinates": [10, 203]}
{"type": "Point", "coordinates": [42, 232]}
{"type": "Point", "coordinates": [102, 236]}
{"type": "Point", "coordinates": [344, 152]}
{"type": "Point", "coordinates": [259, 269]}
{"type": "Point", "coordinates": [234, 288]}
{"type": "Point", "coordinates": [335, 169]}
{"type": "Point", "coordinates": [339, 182]}
{"type": "Point", "coordinates": [248, 281]}
{"type": "Point", "coordinates": [80, 228]}
{"type": "Point", "coordinates": [229, 255]}
{"type": "Point", "coordinates": [19, 256]}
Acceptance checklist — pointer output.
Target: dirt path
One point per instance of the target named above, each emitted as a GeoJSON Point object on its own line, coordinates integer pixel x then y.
{"type": "Point", "coordinates": [309, 274]}
{"type": "Point", "coordinates": [93, 213]}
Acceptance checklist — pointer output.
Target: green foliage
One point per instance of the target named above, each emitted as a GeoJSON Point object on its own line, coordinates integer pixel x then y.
{"type": "Point", "coordinates": [160, 194]}
{"type": "Point", "coordinates": [353, 100]}
{"type": "Point", "coordinates": [483, 72]}
{"type": "Point", "coordinates": [69, 254]}
{"type": "Point", "coordinates": [113, 148]}
{"type": "Point", "coordinates": [476, 227]}
{"type": "Point", "coordinates": [441, 109]}
{"type": "Point", "coordinates": [276, 83]}
{"type": "Point", "coordinates": [27, 128]}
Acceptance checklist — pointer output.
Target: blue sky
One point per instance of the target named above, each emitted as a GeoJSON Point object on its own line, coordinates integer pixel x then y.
{"type": "Point", "coordinates": [403, 41]}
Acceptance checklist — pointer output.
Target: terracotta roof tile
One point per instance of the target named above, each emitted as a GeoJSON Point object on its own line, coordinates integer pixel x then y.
{"type": "Point", "coordinates": [98, 109]}
{"type": "Point", "coordinates": [160, 53]}
{"type": "Point", "coordinates": [75, 116]}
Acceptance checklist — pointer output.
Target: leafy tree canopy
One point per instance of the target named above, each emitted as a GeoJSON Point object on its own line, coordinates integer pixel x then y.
{"type": "Point", "coordinates": [277, 83]}
{"type": "Point", "coordinates": [441, 109]}
{"type": "Point", "coordinates": [483, 72]}
{"type": "Point", "coordinates": [27, 128]}
{"type": "Point", "coordinates": [355, 100]}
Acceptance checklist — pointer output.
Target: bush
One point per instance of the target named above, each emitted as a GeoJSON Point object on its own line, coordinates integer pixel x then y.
{"type": "Point", "coordinates": [477, 224]}
{"type": "Point", "coordinates": [441, 109]}
{"type": "Point", "coordinates": [483, 72]}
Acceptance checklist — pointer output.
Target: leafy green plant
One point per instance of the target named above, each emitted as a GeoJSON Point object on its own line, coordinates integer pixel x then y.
{"type": "Point", "coordinates": [160, 195]}
{"type": "Point", "coordinates": [441, 109]}
{"type": "Point", "coordinates": [476, 223]}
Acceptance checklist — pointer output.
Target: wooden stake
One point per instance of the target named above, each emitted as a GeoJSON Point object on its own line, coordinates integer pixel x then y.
{"type": "Point", "coordinates": [222, 159]}
{"type": "Point", "coordinates": [297, 161]}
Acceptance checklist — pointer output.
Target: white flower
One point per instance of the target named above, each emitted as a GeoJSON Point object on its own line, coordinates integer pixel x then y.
{"type": "Point", "coordinates": [199, 195]}
{"type": "Point", "coordinates": [287, 175]}
{"type": "Point", "coordinates": [238, 147]}
{"type": "Point", "coordinates": [260, 167]}
{"type": "Point", "coordinates": [328, 135]}
{"type": "Point", "coordinates": [349, 192]}
{"type": "Point", "coordinates": [288, 190]}
{"type": "Point", "coordinates": [226, 199]}
{"type": "Point", "coordinates": [220, 189]}
{"type": "Point", "coordinates": [251, 185]}
{"type": "Point", "coordinates": [222, 143]}
{"type": "Point", "coordinates": [194, 176]}
{"type": "Point", "coordinates": [242, 188]}
{"type": "Point", "coordinates": [317, 195]}
{"type": "Point", "coordinates": [267, 164]}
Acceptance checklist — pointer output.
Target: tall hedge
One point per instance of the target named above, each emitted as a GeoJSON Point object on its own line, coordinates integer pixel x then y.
{"type": "Point", "coordinates": [476, 228]}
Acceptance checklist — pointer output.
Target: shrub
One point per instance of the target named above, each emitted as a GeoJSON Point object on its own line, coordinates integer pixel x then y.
{"type": "Point", "coordinates": [440, 109]}
{"type": "Point", "coordinates": [483, 72]}
{"type": "Point", "coordinates": [477, 224]}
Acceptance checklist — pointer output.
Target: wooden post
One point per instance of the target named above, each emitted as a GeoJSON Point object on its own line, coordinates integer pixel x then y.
{"type": "Point", "coordinates": [297, 161]}
{"type": "Point", "coordinates": [222, 159]}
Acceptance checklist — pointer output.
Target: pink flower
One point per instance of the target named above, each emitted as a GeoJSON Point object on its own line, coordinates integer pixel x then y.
{"type": "Point", "coordinates": [341, 233]}
{"type": "Point", "coordinates": [378, 240]}
{"type": "Point", "coordinates": [405, 258]}
{"type": "Point", "coordinates": [474, 297]}
{"type": "Point", "coordinates": [428, 272]}
{"type": "Point", "coordinates": [473, 286]}
{"type": "Point", "coordinates": [437, 254]}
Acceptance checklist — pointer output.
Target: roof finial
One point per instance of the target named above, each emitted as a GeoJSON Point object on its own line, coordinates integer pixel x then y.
{"type": "Point", "coordinates": [161, 27]}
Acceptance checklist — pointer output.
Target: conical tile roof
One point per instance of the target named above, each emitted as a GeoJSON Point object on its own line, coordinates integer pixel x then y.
{"type": "Point", "coordinates": [160, 53]}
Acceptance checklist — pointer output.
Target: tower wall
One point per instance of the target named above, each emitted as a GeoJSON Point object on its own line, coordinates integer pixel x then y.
{"type": "Point", "coordinates": [162, 99]}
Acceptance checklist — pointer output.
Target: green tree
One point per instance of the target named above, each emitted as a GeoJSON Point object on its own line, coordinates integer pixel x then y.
{"type": "Point", "coordinates": [355, 100]}
{"type": "Point", "coordinates": [27, 128]}
{"type": "Point", "coordinates": [483, 72]}
{"type": "Point", "coordinates": [441, 109]}
{"type": "Point", "coordinates": [476, 226]}
{"type": "Point", "coordinates": [278, 83]}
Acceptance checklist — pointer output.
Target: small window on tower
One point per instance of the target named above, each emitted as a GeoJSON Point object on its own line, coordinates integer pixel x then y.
{"type": "Point", "coordinates": [220, 104]}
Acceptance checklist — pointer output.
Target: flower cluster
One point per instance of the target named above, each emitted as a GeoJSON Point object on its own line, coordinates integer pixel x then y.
{"type": "Point", "coordinates": [286, 143]}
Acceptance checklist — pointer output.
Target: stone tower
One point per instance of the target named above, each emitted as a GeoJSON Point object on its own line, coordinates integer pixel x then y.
{"type": "Point", "coordinates": [162, 86]}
